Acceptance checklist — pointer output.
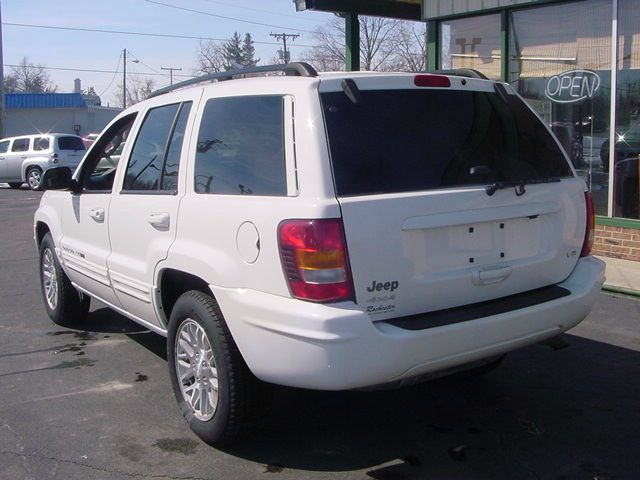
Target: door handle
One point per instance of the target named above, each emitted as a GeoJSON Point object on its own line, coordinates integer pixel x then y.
{"type": "Point", "coordinates": [23, 156]}
{"type": "Point", "coordinates": [97, 214]}
{"type": "Point", "coordinates": [159, 220]}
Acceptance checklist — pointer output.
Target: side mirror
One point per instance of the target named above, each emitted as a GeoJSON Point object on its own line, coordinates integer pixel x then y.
{"type": "Point", "coordinates": [58, 178]}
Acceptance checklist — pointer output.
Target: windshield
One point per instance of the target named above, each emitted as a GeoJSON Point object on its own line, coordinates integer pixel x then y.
{"type": "Point", "coordinates": [70, 143]}
{"type": "Point", "coordinates": [409, 140]}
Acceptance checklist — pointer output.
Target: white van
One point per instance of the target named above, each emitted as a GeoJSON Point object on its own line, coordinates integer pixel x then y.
{"type": "Point", "coordinates": [26, 158]}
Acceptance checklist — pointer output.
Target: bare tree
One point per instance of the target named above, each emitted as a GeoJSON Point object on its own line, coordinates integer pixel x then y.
{"type": "Point", "coordinates": [211, 58]}
{"type": "Point", "coordinates": [385, 45]}
{"type": "Point", "coordinates": [329, 52]}
{"type": "Point", "coordinates": [29, 78]}
{"type": "Point", "coordinates": [411, 47]}
{"type": "Point", "coordinates": [137, 90]}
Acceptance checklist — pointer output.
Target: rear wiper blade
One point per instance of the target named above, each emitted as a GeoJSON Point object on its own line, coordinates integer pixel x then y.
{"type": "Point", "coordinates": [518, 185]}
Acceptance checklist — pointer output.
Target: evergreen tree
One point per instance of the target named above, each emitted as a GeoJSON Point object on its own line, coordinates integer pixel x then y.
{"type": "Point", "coordinates": [248, 52]}
{"type": "Point", "coordinates": [232, 51]}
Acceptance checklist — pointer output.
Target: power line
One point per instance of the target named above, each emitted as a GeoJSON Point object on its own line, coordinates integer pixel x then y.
{"type": "Point", "coordinates": [225, 17]}
{"type": "Point", "coordinates": [93, 70]}
{"type": "Point", "coordinates": [286, 57]}
{"type": "Point", "coordinates": [171, 70]}
{"type": "Point", "coordinates": [297, 17]}
{"type": "Point", "coordinates": [114, 76]}
{"type": "Point", "coordinates": [140, 61]}
{"type": "Point", "coordinates": [140, 34]}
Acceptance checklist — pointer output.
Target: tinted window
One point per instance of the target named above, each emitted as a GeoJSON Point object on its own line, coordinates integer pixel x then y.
{"type": "Point", "coordinates": [169, 179]}
{"type": "Point", "coordinates": [400, 141]}
{"type": "Point", "coordinates": [4, 146]}
{"type": "Point", "coordinates": [147, 157]}
{"type": "Point", "coordinates": [70, 143]}
{"type": "Point", "coordinates": [241, 148]}
{"type": "Point", "coordinates": [99, 169]}
{"type": "Point", "coordinates": [40, 144]}
{"type": "Point", "coordinates": [20, 145]}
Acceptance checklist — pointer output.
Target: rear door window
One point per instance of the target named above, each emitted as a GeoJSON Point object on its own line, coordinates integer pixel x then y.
{"type": "Point", "coordinates": [410, 140]}
{"type": "Point", "coordinates": [20, 145]}
{"type": "Point", "coordinates": [240, 148]}
{"type": "Point", "coordinates": [4, 146]}
{"type": "Point", "coordinates": [41, 144]}
{"type": "Point", "coordinates": [155, 158]}
{"type": "Point", "coordinates": [70, 143]}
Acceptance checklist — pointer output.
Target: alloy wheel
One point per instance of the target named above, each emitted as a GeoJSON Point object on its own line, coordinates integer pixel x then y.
{"type": "Point", "coordinates": [50, 279]}
{"type": "Point", "coordinates": [196, 369]}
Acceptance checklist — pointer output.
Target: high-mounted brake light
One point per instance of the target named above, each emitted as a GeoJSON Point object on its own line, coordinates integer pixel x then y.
{"type": "Point", "coordinates": [314, 259]}
{"type": "Point", "coordinates": [589, 231]}
{"type": "Point", "coordinates": [431, 81]}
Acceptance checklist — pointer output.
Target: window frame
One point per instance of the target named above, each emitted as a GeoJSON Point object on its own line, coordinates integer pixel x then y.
{"type": "Point", "coordinates": [158, 191]}
{"type": "Point", "coordinates": [290, 177]}
{"type": "Point", "coordinates": [13, 142]}
{"type": "Point", "coordinates": [97, 148]}
{"type": "Point", "coordinates": [36, 140]}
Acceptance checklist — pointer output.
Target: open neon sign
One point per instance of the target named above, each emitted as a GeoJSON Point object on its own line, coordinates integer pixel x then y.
{"type": "Point", "coordinates": [572, 86]}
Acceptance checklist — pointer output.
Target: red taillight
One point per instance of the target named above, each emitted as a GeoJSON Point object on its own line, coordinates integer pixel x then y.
{"type": "Point", "coordinates": [314, 259]}
{"type": "Point", "coordinates": [431, 81]}
{"type": "Point", "coordinates": [589, 231]}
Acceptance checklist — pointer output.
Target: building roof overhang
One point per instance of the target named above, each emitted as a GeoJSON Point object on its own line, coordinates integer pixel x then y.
{"type": "Point", "coordinates": [403, 9]}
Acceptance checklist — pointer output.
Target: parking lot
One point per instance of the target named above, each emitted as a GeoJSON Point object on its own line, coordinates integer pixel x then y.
{"type": "Point", "coordinates": [98, 403]}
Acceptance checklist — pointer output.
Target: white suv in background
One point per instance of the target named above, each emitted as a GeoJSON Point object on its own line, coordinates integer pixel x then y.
{"type": "Point", "coordinates": [26, 158]}
{"type": "Point", "coordinates": [324, 231]}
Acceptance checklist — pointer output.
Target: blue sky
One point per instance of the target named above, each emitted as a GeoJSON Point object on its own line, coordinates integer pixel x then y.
{"type": "Point", "coordinates": [100, 51]}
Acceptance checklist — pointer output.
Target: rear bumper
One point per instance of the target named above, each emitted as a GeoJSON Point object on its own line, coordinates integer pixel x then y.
{"type": "Point", "coordinates": [335, 347]}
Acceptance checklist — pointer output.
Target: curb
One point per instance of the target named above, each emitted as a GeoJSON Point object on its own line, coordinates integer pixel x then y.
{"type": "Point", "coordinates": [622, 290]}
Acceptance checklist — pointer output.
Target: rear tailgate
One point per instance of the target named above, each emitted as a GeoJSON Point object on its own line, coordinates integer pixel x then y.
{"type": "Point", "coordinates": [411, 167]}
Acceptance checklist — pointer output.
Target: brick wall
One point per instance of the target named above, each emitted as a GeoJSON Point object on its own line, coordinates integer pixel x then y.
{"type": "Point", "coordinates": [617, 242]}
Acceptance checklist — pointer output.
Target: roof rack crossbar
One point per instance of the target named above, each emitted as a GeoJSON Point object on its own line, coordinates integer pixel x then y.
{"type": "Point", "coordinates": [300, 69]}
{"type": "Point", "coordinates": [462, 72]}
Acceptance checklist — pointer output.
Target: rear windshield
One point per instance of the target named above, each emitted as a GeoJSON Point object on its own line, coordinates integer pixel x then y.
{"type": "Point", "coordinates": [409, 140]}
{"type": "Point", "coordinates": [70, 143]}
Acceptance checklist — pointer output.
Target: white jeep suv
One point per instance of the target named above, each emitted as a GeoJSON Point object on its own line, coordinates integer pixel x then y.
{"type": "Point", "coordinates": [324, 231]}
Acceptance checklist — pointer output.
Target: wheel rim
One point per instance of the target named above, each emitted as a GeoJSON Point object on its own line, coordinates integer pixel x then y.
{"type": "Point", "coordinates": [34, 178]}
{"type": "Point", "coordinates": [50, 279]}
{"type": "Point", "coordinates": [196, 369]}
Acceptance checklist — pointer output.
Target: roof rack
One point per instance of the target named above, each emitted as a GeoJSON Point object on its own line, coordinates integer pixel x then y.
{"type": "Point", "coordinates": [300, 69]}
{"type": "Point", "coordinates": [462, 72]}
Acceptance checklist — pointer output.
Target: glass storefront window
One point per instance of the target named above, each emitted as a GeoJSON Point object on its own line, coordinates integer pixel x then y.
{"type": "Point", "coordinates": [472, 43]}
{"type": "Point", "coordinates": [626, 202]}
{"type": "Point", "coordinates": [560, 62]}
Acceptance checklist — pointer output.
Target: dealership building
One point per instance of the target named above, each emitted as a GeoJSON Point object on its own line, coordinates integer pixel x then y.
{"type": "Point", "coordinates": [577, 63]}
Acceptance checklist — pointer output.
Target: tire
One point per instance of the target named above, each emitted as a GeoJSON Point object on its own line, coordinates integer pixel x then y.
{"type": "Point", "coordinates": [240, 396]}
{"type": "Point", "coordinates": [34, 178]}
{"type": "Point", "coordinates": [15, 185]}
{"type": "Point", "coordinates": [64, 304]}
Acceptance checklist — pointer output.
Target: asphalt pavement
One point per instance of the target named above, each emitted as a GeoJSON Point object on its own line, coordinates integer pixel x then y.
{"type": "Point", "coordinates": [98, 404]}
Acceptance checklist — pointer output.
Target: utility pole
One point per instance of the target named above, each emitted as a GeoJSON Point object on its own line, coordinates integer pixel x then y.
{"type": "Point", "coordinates": [283, 36]}
{"type": "Point", "coordinates": [3, 113]}
{"type": "Point", "coordinates": [171, 70]}
{"type": "Point", "coordinates": [124, 79]}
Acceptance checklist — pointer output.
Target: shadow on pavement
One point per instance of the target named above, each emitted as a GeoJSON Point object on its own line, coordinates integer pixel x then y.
{"type": "Point", "coordinates": [543, 414]}
{"type": "Point", "coordinates": [564, 414]}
